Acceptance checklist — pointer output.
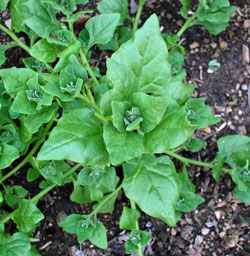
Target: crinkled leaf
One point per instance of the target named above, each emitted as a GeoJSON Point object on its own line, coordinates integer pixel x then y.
{"type": "Point", "coordinates": [99, 236]}
{"type": "Point", "coordinates": [16, 245]}
{"type": "Point", "coordinates": [44, 51]}
{"type": "Point", "coordinates": [171, 132]}
{"type": "Point", "coordinates": [115, 6]}
{"type": "Point", "coordinates": [27, 216]}
{"type": "Point", "coordinates": [14, 194]}
{"type": "Point", "coordinates": [65, 6]}
{"type": "Point", "coordinates": [101, 28]}
{"type": "Point", "coordinates": [199, 114]}
{"type": "Point", "coordinates": [33, 64]}
{"type": "Point", "coordinates": [77, 137]}
{"type": "Point", "coordinates": [158, 199]}
{"type": "Point", "coordinates": [8, 154]}
{"type": "Point", "coordinates": [122, 146]}
{"type": "Point", "coordinates": [129, 218]}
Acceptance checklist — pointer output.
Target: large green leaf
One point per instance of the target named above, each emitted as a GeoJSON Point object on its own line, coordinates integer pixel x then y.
{"type": "Point", "coordinates": [27, 216]}
{"type": "Point", "coordinates": [114, 6]}
{"type": "Point", "coordinates": [171, 132]}
{"type": "Point", "coordinates": [145, 56]}
{"type": "Point", "coordinates": [122, 146]}
{"type": "Point", "coordinates": [8, 154]}
{"type": "Point", "coordinates": [154, 188]}
{"type": "Point", "coordinates": [101, 28]}
{"type": "Point", "coordinates": [16, 245]}
{"type": "Point", "coordinates": [77, 137]}
{"type": "Point", "coordinates": [39, 16]}
{"type": "Point", "coordinates": [44, 51]}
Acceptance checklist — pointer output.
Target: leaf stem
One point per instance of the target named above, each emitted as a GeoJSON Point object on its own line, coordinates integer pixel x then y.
{"type": "Point", "coordinates": [88, 68]}
{"type": "Point", "coordinates": [194, 162]}
{"type": "Point", "coordinates": [94, 212]}
{"type": "Point", "coordinates": [138, 15]}
{"type": "Point", "coordinates": [35, 199]}
{"type": "Point", "coordinates": [133, 206]}
{"type": "Point", "coordinates": [30, 154]}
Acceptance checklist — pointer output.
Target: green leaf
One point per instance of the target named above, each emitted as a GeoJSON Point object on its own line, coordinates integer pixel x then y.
{"type": "Point", "coordinates": [171, 132]}
{"type": "Point", "coordinates": [115, 6]}
{"type": "Point", "coordinates": [33, 64]}
{"type": "Point", "coordinates": [14, 194]}
{"type": "Point", "coordinates": [101, 28]}
{"type": "Point", "coordinates": [8, 154]}
{"type": "Point", "coordinates": [129, 218]}
{"type": "Point", "coordinates": [84, 229]}
{"type": "Point", "coordinates": [70, 223]}
{"type": "Point", "coordinates": [108, 206]}
{"type": "Point", "coordinates": [185, 183]}
{"type": "Point", "coordinates": [17, 244]}
{"type": "Point", "coordinates": [35, 121]}
{"type": "Point", "coordinates": [184, 9]}
{"type": "Point", "coordinates": [44, 51]}
{"type": "Point", "coordinates": [188, 201]}
{"type": "Point", "coordinates": [32, 174]}
{"type": "Point", "coordinates": [81, 194]}
{"type": "Point", "coordinates": [65, 6]}
{"type": "Point", "coordinates": [146, 57]}
{"type": "Point", "coordinates": [52, 174]}
{"type": "Point", "coordinates": [199, 114]}
{"type": "Point", "coordinates": [243, 196]}
{"type": "Point", "coordinates": [176, 59]}
{"type": "Point", "coordinates": [75, 16]}
{"type": "Point", "coordinates": [194, 144]}
{"type": "Point", "coordinates": [38, 16]}
{"type": "Point", "coordinates": [82, 1]}
{"type": "Point", "coordinates": [135, 238]}
{"type": "Point", "coordinates": [77, 137]}
{"type": "Point", "coordinates": [3, 48]}
{"type": "Point", "coordinates": [158, 199]}
{"type": "Point", "coordinates": [3, 5]}
{"type": "Point", "coordinates": [17, 16]}
{"type": "Point", "coordinates": [27, 216]}
{"type": "Point", "coordinates": [99, 236]}
{"type": "Point", "coordinates": [122, 146]}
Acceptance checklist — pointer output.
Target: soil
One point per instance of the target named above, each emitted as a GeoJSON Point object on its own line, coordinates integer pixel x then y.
{"type": "Point", "coordinates": [220, 226]}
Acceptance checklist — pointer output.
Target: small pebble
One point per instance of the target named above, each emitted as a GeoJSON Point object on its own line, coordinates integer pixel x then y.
{"type": "Point", "coordinates": [149, 224]}
{"type": "Point", "coordinates": [217, 214]}
{"type": "Point", "coordinates": [205, 231]}
{"type": "Point", "coordinates": [244, 87]}
{"type": "Point", "coordinates": [246, 236]}
{"type": "Point", "coordinates": [246, 24]}
{"type": "Point", "coordinates": [209, 224]}
{"type": "Point", "coordinates": [198, 240]}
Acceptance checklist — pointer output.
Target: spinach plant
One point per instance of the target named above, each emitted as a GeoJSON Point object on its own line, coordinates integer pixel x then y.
{"type": "Point", "coordinates": [64, 121]}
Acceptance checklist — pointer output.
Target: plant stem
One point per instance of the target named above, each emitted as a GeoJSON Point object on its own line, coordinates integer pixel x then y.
{"type": "Point", "coordinates": [138, 15]}
{"type": "Point", "coordinates": [104, 201]}
{"type": "Point", "coordinates": [133, 206]}
{"type": "Point", "coordinates": [88, 68]}
{"type": "Point", "coordinates": [30, 154]}
{"type": "Point", "coordinates": [186, 24]}
{"type": "Point", "coordinates": [35, 199]}
{"type": "Point", "coordinates": [194, 162]}
{"type": "Point", "coordinates": [22, 45]}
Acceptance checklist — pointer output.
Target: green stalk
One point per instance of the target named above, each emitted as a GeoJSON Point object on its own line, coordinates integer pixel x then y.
{"type": "Point", "coordinates": [133, 206]}
{"type": "Point", "coordinates": [30, 154]}
{"type": "Point", "coordinates": [88, 68]}
{"type": "Point", "coordinates": [21, 44]}
{"type": "Point", "coordinates": [36, 198]}
{"type": "Point", "coordinates": [104, 201]}
{"type": "Point", "coordinates": [138, 15]}
{"type": "Point", "coordinates": [194, 162]}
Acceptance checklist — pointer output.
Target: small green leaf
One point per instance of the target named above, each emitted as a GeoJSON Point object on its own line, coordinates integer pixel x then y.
{"type": "Point", "coordinates": [188, 201]}
{"type": "Point", "coordinates": [32, 174]}
{"type": "Point", "coordinates": [129, 218]}
{"type": "Point", "coordinates": [75, 16]}
{"type": "Point", "coordinates": [185, 182]}
{"type": "Point", "coordinates": [243, 196]}
{"type": "Point", "coordinates": [99, 236]}
{"type": "Point", "coordinates": [70, 223]}
{"type": "Point", "coordinates": [84, 229]}
{"type": "Point", "coordinates": [81, 194]}
{"type": "Point", "coordinates": [27, 216]}
{"type": "Point", "coordinates": [3, 48]}
{"type": "Point", "coordinates": [176, 59]}
{"type": "Point", "coordinates": [14, 194]}
{"type": "Point", "coordinates": [8, 154]}
{"type": "Point", "coordinates": [101, 28]}
{"type": "Point", "coordinates": [194, 144]}
{"type": "Point", "coordinates": [115, 6]}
